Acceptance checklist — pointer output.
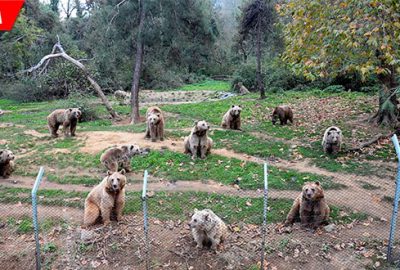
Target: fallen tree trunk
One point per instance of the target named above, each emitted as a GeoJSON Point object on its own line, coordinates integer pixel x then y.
{"type": "Point", "coordinates": [45, 60]}
{"type": "Point", "coordinates": [374, 140]}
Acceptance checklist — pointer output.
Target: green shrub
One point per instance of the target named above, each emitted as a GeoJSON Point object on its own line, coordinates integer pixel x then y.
{"type": "Point", "coordinates": [334, 89]}
{"type": "Point", "coordinates": [86, 105]}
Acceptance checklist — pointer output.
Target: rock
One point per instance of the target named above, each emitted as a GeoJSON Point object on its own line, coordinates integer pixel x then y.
{"type": "Point", "coordinates": [88, 236]}
{"type": "Point", "coordinates": [330, 228]}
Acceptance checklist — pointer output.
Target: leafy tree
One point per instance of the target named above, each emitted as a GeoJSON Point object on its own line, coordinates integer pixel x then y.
{"type": "Point", "coordinates": [257, 20]}
{"type": "Point", "coordinates": [331, 38]}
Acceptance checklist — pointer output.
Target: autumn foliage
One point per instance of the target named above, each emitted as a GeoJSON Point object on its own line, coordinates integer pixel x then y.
{"type": "Point", "coordinates": [331, 38]}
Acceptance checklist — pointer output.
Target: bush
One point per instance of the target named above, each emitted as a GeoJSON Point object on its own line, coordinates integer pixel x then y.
{"type": "Point", "coordinates": [245, 73]}
{"type": "Point", "coordinates": [335, 89]}
{"type": "Point", "coordinates": [29, 90]}
{"type": "Point", "coordinates": [85, 103]}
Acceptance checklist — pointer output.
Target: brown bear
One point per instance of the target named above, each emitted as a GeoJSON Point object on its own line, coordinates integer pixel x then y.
{"type": "Point", "coordinates": [310, 206]}
{"type": "Point", "coordinates": [155, 124]}
{"type": "Point", "coordinates": [242, 89]}
{"type": "Point", "coordinates": [6, 163]}
{"type": "Point", "coordinates": [284, 113]}
{"type": "Point", "coordinates": [332, 140]}
{"type": "Point", "coordinates": [109, 195]}
{"type": "Point", "coordinates": [207, 227]}
{"type": "Point", "coordinates": [231, 118]}
{"type": "Point", "coordinates": [198, 143]}
{"type": "Point", "coordinates": [119, 157]}
{"type": "Point", "coordinates": [68, 118]}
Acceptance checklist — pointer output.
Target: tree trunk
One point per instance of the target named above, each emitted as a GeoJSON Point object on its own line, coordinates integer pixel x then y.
{"type": "Point", "coordinates": [388, 112]}
{"type": "Point", "coordinates": [260, 84]}
{"type": "Point", "coordinates": [138, 67]}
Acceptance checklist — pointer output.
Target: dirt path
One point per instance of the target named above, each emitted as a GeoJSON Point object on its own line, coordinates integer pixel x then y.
{"type": "Point", "coordinates": [44, 212]}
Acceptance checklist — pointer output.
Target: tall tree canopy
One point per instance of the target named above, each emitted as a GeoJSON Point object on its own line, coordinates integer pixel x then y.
{"type": "Point", "coordinates": [329, 38]}
{"type": "Point", "coordinates": [257, 20]}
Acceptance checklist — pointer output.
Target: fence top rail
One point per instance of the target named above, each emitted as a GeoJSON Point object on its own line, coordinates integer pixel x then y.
{"type": "Point", "coordinates": [38, 181]}
{"type": "Point", "coordinates": [144, 185]}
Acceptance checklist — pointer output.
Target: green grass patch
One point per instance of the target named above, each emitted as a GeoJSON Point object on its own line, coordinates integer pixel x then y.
{"type": "Point", "coordinates": [74, 179]}
{"type": "Point", "coordinates": [176, 166]}
{"type": "Point", "coordinates": [212, 85]}
{"type": "Point", "coordinates": [368, 186]}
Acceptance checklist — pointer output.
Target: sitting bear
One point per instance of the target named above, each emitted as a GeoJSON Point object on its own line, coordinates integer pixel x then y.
{"type": "Point", "coordinates": [242, 89]}
{"type": "Point", "coordinates": [68, 118]}
{"type": "Point", "coordinates": [207, 228]}
{"type": "Point", "coordinates": [109, 195]}
{"type": "Point", "coordinates": [6, 163]}
{"type": "Point", "coordinates": [231, 119]}
{"type": "Point", "coordinates": [198, 143]}
{"type": "Point", "coordinates": [310, 206]}
{"type": "Point", "coordinates": [284, 113]}
{"type": "Point", "coordinates": [119, 157]}
{"type": "Point", "coordinates": [155, 124]}
{"type": "Point", "coordinates": [332, 140]}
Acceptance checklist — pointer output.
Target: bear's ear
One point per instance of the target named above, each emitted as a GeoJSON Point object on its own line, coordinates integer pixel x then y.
{"type": "Point", "coordinates": [124, 147]}
{"type": "Point", "coordinates": [206, 217]}
{"type": "Point", "coordinates": [195, 123]}
{"type": "Point", "coordinates": [109, 173]}
{"type": "Point", "coordinates": [1, 152]}
{"type": "Point", "coordinates": [122, 172]}
{"type": "Point", "coordinates": [132, 147]}
{"type": "Point", "coordinates": [70, 109]}
{"type": "Point", "coordinates": [233, 106]}
{"type": "Point", "coordinates": [317, 183]}
{"type": "Point", "coordinates": [208, 127]}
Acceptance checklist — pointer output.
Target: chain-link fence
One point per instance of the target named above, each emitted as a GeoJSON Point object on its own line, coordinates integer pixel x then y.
{"type": "Point", "coordinates": [167, 225]}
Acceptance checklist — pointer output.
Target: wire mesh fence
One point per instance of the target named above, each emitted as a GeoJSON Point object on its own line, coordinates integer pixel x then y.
{"type": "Point", "coordinates": [209, 225]}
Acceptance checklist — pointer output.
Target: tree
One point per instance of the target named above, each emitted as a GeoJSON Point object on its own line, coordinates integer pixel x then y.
{"type": "Point", "coordinates": [257, 20]}
{"type": "Point", "coordinates": [138, 66]}
{"type": "Point", "coordinates": [331, 38]}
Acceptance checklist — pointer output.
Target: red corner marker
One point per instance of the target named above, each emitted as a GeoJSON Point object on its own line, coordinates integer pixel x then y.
{"type": "Point", "coordinates": [9, 10]}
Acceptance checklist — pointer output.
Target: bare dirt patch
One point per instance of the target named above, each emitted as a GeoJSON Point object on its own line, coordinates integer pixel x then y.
{"type": "Point", "coordinates": [353, 246]}
{"type": "Point", "coordinates": [97, 141]}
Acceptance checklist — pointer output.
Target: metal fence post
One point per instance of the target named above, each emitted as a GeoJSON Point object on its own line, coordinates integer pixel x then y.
{"type": "Point", "coordinates": [145, 219]}
{"type": "Point", "coordinates": [264, 226]}
{"type": "Point", "coordinates": [396, 201]}
{"type": "Point", "coordinates": [35, 216]}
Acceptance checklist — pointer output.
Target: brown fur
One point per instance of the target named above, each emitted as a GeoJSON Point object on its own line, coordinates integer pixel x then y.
{"type": "Point", "coordinates": [68, 118]}
{"type": "Point", "coordinates": [231, 118]}
{"type": "Point", "coordinates": [155, 124]}
{"type": "Point", "coordinates": [119, 157]}
{"type": "Point", "coordinates": [198, 143]}
{"type": "Point", "coordinates": [311, 206]}
{"type": "Point", "coordinates": [242, 89]}
{"type": "Point", "coordinates": [284, 113]}
{"type": "Point", "coordinates": [6, 163]}
{"type": "Point", "coordinates": [109, 195]}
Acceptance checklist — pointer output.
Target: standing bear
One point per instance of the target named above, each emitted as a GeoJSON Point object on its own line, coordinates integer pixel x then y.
{"type": "Point", "coordinates": [109, 195]}
{"type": "Point", "coordinates": [231, 119]}
{"type": "Point", "coordinates": [207, 228]}
{"type": "Point", "coordinates": [310, 206]}
{"type": "Point", "coordinates": [68, 118]}
{"type": "Point", "coordinates": [119, 157]}
{"type": "Point", "coordinates": [6, 163]}
{"type": "Point", "coordinates": [198, 143]}
{"type": "Point", "coordinates": [284, 113]}
{"type": "Point", "coordinates": [155, 124]}
{"type": "Point", "coordinates": [332, 140]}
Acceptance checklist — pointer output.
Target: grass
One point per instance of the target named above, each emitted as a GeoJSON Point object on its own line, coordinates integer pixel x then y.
{"type": "Point", "coordinates": [211, 85]}
{"type": "Point", "coordinates": [176, 166]}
